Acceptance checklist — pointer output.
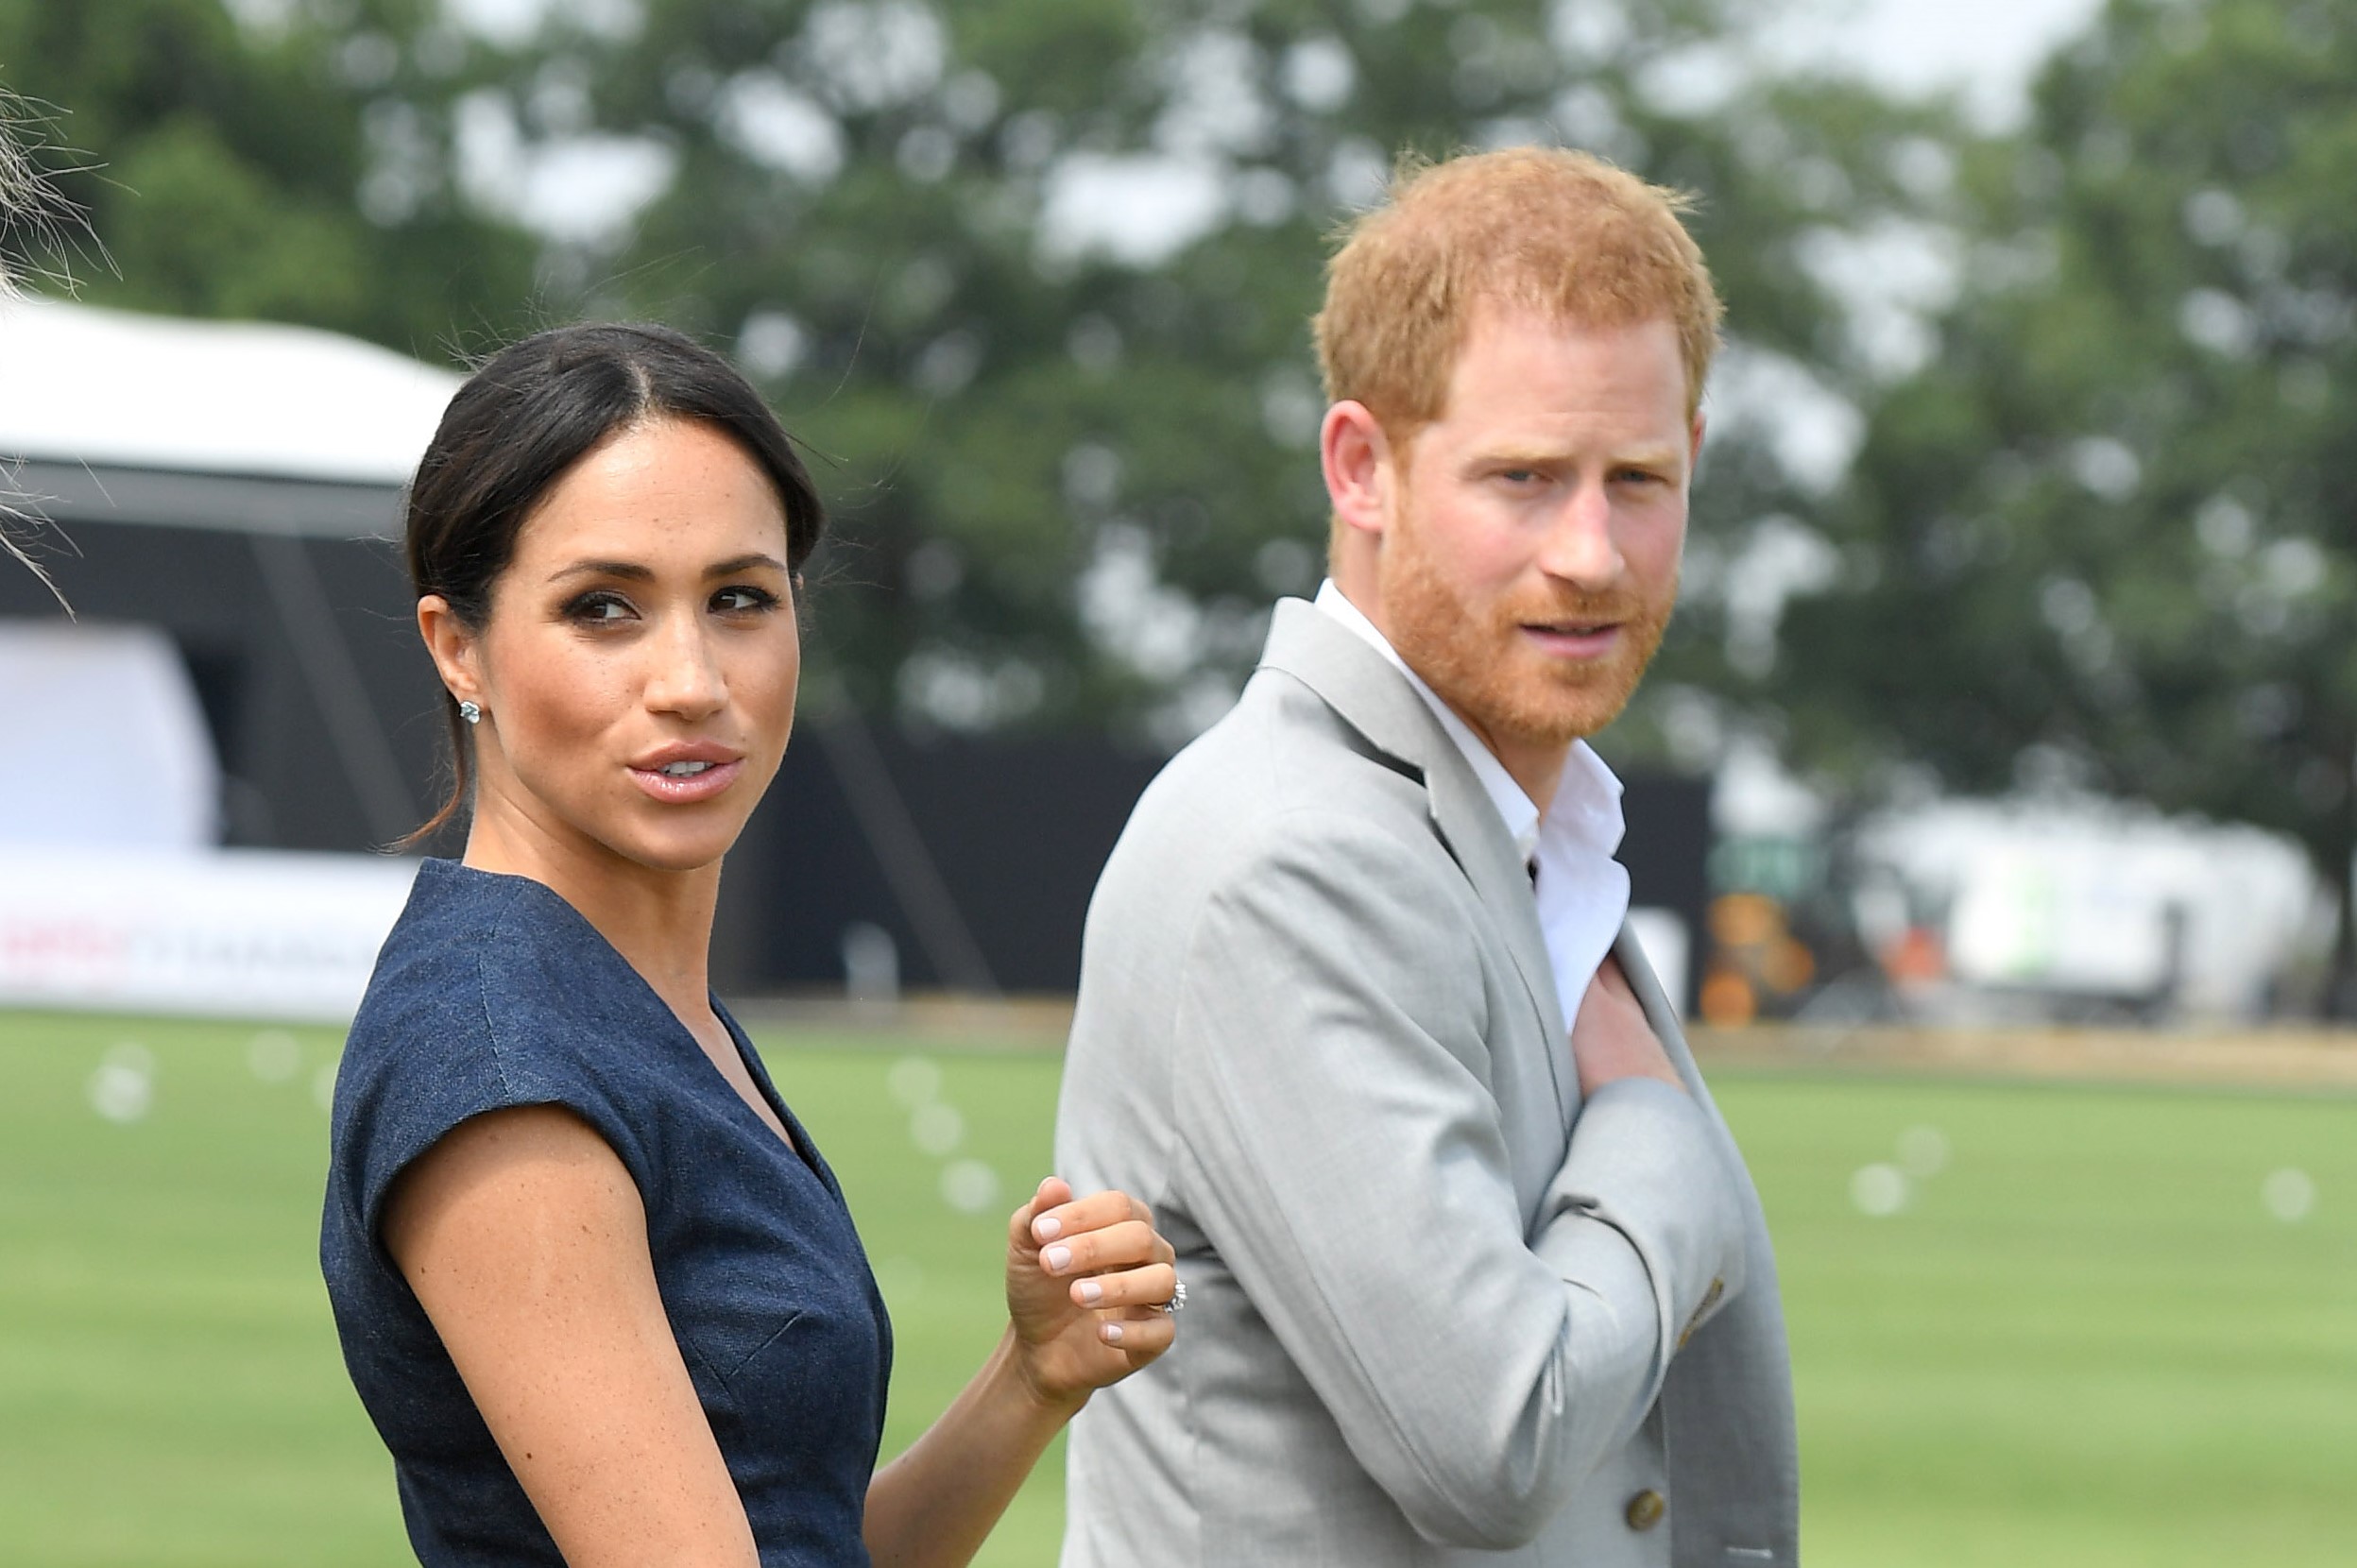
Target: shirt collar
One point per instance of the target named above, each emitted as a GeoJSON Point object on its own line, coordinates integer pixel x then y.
{"type": "Point", "coordinates": [1585, 813]}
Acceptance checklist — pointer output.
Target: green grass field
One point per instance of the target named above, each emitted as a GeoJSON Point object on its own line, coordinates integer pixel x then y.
{"type": "Point", "coordinates": [2085, 1341]}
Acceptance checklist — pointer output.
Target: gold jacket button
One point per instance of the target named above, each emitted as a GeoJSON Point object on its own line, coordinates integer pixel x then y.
{"type": "Point", "coordinates": [1645, 1509]}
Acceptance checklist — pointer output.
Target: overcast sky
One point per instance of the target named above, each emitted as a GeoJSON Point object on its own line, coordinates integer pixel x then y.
{"type": "Point", "coordinates": [1989, 47]}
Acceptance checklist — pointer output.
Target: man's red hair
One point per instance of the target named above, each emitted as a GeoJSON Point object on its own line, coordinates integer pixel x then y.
{"type": "Point", "coordinates": [1547, 230]}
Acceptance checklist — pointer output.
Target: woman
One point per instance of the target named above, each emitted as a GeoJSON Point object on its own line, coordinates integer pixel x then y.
{"type": "Point", "coordinates": [595, 1286]}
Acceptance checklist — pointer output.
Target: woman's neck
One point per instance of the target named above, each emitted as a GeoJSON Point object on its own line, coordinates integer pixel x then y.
{"type": "Point", "coordinates": [659, 921]}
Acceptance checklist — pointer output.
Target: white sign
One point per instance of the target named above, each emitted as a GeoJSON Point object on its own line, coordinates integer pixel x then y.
{"type": "Point", "coordinates": [240, 933]}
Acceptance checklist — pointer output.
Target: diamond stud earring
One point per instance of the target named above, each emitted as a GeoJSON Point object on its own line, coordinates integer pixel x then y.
{"type": "Point", "coordinates": [468, 711]}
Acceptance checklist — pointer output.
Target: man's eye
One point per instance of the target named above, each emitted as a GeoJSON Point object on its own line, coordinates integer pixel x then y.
{"type": "Point", "coordinates": [1519, 476]}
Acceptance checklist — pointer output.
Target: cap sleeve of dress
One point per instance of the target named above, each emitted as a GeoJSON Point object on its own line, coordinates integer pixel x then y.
{"type": "Point", "coordinates": [491, 993]}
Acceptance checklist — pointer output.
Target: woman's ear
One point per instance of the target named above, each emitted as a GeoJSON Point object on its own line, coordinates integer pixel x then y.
{"type": "Point", "coordinates": [451, 643]}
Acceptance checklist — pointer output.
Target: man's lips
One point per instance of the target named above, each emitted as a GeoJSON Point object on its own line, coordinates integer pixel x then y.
{"type": "Point", "coordinates": [1573, 639]}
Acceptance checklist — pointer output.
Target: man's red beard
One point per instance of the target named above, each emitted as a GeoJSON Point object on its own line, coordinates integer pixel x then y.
{"type": "Point", "coordinates": [1482, 664]}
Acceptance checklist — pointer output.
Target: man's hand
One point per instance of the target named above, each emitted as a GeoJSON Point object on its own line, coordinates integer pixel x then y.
{"type": "Point", "coordinates": [1610, 1040]}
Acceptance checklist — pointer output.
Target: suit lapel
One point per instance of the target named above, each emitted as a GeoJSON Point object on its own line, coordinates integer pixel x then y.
{"type": "Point", "coordinates": [1664, 1018]}
{"type": "Point", "coordinates": [1647, 987]}
{"type": "Point", "coordinates": [1468, 822]}
{"type": "Point", "coordinates": [1375, 699]}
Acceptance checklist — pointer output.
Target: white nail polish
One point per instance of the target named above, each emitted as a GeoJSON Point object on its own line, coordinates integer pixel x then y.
{"type": "Point", "coordinates": [1092, 1292]}
{"type": "Point", "coordinates": [1057, 1258]}
{"type": "Point", "coordinates": [1113, 1334]}
{"type": "Point", "coordinates": [1047, 1227]}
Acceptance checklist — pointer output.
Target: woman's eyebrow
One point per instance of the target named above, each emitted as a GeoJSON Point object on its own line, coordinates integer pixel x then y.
{"type": "Point", "coordinates": [635, 571]}
{"type": "Point", "coordinates": [638, 571]}
{"type": "Point", "coordinates": [735, 564]}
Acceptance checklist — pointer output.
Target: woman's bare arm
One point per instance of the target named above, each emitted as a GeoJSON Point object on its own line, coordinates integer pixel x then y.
{"type": "Point", "coordinates": [1081, 1280]}
{"type": "Point", "coordinates": [525, 1240]}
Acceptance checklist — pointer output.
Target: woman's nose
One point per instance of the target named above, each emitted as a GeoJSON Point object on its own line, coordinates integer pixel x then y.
{"type": "Point", "coordinates": [686, 678]}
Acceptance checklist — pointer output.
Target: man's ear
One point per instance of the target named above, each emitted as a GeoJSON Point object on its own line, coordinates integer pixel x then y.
{"type": "Point", "coordinates": [1359, 474]}
{"type": "Point", "coordinates": [451, 643]}
{"type": "Point", "coordinates": [1694, 451]}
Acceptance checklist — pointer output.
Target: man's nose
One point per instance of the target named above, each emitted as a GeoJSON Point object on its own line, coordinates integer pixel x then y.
{"type": "Point", "coordinates": [686, 678]}
{"type": "Point", "coordinates": [1579, 548]}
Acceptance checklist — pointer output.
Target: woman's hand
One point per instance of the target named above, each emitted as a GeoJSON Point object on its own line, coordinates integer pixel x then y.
{"type": "Point", "coordinates": [1085, 1279]}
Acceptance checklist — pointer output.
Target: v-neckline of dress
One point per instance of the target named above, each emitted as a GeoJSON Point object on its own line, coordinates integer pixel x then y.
{"type": "Point", "coordinates": [797, 1140]}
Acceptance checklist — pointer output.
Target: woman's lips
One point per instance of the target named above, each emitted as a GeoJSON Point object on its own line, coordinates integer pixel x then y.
{"type": "Point", "coordinates": [686, 789]}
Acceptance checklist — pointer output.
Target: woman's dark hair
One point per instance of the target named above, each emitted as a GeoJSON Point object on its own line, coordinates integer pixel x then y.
{"type": "Point", "coordinates": [523, 420]}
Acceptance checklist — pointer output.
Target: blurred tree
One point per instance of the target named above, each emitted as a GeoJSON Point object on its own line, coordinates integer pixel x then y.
{"type": "Point", "coordinates": [1031, 275]}
{"type": "Point", "coordinates": [296, 166]}
{"type": "Point", "coordinates": [2106, 536]}
{"type": "Point", "coordinates": [1036, 278]}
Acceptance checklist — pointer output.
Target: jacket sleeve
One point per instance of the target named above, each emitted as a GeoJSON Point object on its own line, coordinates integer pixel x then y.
{"type": "Point", "coordinates": [1345, 1157]}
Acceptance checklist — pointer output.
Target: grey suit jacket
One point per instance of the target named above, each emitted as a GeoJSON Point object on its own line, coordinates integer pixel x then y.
{"type": "Point", "coordinates": [1440, 1310]}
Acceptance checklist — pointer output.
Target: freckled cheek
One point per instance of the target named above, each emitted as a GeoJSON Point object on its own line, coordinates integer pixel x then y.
{"type": "Point", "coordinates": [764, 684]}
{"type": "Point", "coordinates": [561, 701]}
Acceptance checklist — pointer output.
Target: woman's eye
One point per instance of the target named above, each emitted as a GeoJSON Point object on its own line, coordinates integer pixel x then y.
{"type": "Point", "coordinates": [600, 609]}
{"type": "Point", "coordinates": [743, 600]}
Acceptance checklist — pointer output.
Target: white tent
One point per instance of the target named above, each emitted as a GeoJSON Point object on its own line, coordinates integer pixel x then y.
{"type": "Point", "coordinates": [102, 388]}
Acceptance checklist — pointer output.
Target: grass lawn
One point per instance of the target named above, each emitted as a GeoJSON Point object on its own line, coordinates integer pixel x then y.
{"type": "Point", "coordinates": [2082, 1339]}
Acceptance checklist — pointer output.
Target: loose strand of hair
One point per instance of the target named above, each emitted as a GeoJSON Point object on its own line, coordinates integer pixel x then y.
{"type": "Point", "coordinates": [462, 781]}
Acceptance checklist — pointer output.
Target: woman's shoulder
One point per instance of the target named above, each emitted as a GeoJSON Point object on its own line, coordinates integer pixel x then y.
{"type": "Point", "coordinates": [442, 960]}
{"type": "Point", "coordinates": [489, 992]}
{"type": "Point", "coordinates": [476, 950]}
{"type": "Point", "coordinates": [489, 988]}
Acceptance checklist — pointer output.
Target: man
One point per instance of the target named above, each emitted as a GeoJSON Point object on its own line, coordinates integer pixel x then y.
{"type": "Point", "coordinates": [1472, 1276]}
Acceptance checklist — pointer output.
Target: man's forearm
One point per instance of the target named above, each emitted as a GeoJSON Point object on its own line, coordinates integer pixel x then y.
{"type": "Point", "coordinates": [1645, 1160]}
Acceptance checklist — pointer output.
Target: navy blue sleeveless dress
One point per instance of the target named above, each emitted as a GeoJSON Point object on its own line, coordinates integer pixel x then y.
{"type": "Point", "coordinates": [492, 992]}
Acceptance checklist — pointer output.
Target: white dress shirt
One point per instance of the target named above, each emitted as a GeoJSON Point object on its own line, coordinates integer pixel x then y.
{"type": "Point", "coordinates": [1583, 892]}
